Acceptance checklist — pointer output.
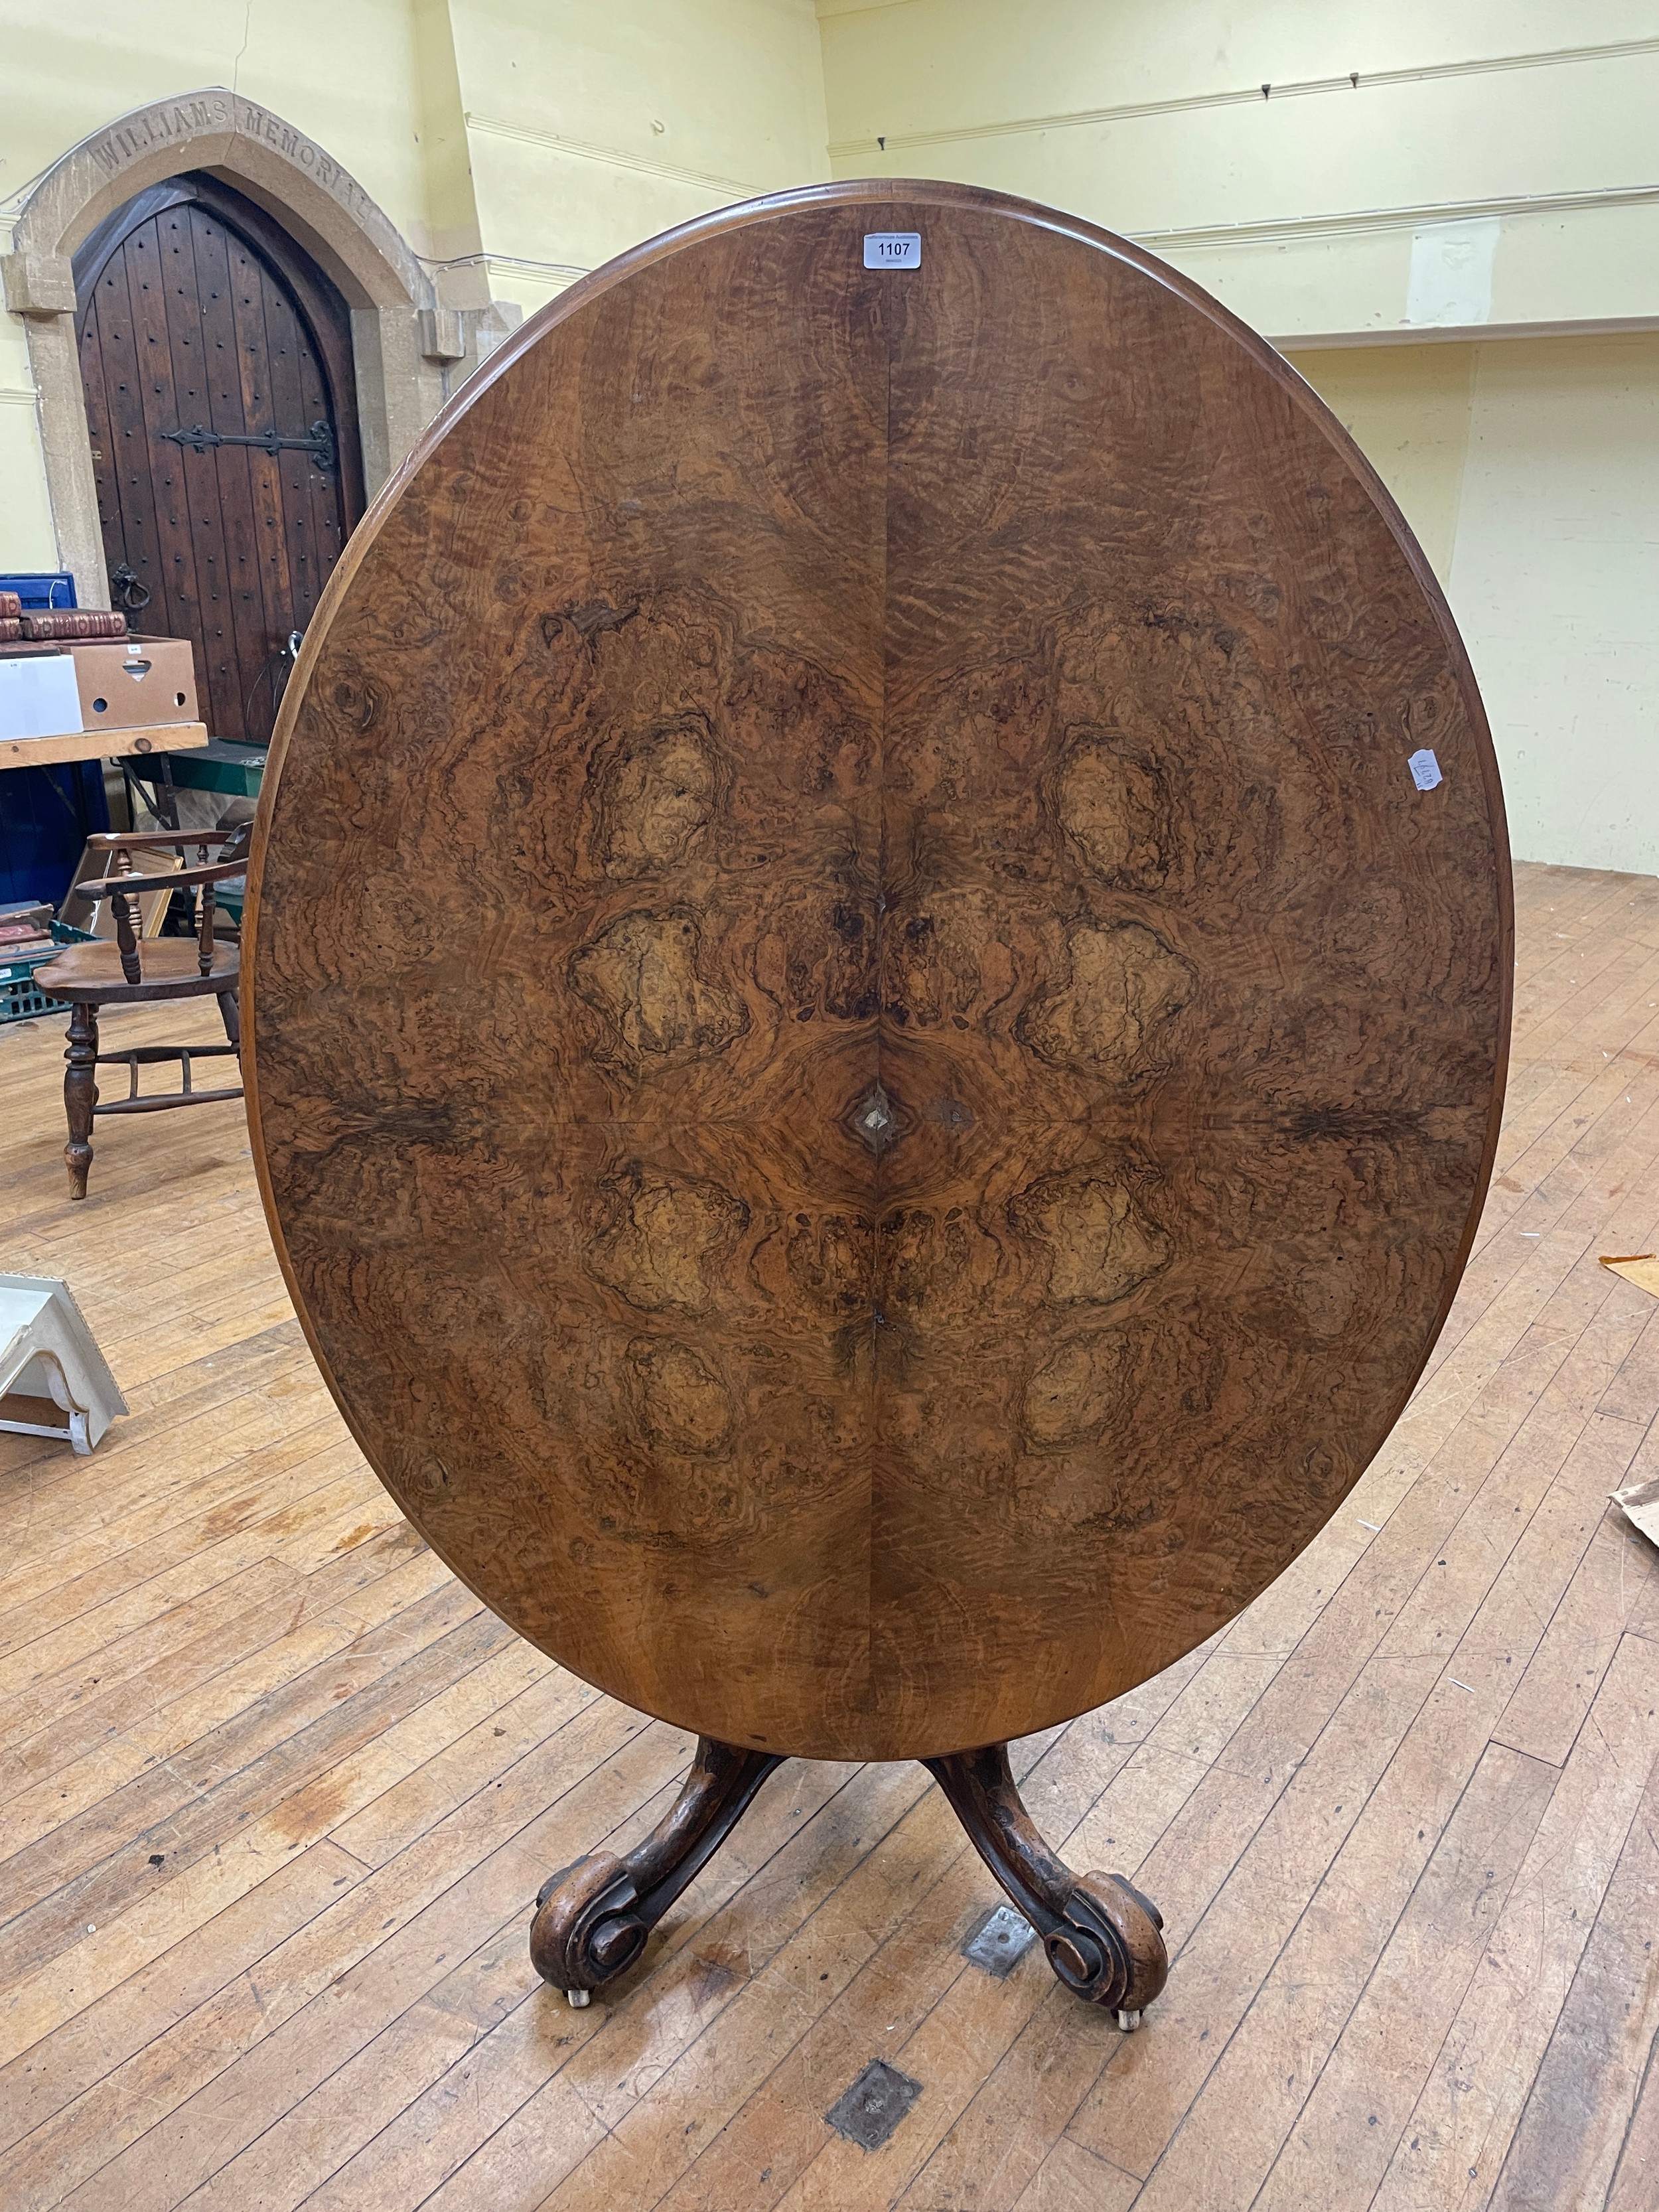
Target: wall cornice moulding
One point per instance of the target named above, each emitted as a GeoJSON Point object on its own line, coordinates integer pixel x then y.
{"type": "Point", "coordinates": [1358, 221]}
{"type": "Point", "coordinates": [567, 271]}
{"type": "Point", "coordinates": [613, 157]}
{"type": "Point", "coordinates": [1190, 103]}
{"type": "Point", "coordinates": [1420, 334]}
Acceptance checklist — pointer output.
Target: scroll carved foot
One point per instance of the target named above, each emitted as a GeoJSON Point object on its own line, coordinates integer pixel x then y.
{"type": "Point", "coordinates": [592, 1918]}
{"type": "Point", "coordinates": [1103, 1937]}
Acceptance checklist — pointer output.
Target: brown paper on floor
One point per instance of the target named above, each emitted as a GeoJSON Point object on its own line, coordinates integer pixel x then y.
{"type": "Point", "coordinates": [1641, 1268]}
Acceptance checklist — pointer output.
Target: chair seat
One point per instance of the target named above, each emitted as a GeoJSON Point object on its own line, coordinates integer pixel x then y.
{"type": "Point", "coordinates": [170, 966]}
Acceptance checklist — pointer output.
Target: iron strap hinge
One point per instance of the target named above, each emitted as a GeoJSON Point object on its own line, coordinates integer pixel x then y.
{"type": "Point", "coordinates": [319, 441]}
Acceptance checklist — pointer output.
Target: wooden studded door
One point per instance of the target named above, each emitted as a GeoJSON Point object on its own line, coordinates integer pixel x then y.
{"type": "Point", "coordinates": [216, 357]}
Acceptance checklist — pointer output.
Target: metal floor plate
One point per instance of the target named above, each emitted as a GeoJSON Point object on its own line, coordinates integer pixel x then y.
{"type": "Point", "coordinates": [1000, 1940]}
{"type": "Point", "coordinates": [869, 2110]}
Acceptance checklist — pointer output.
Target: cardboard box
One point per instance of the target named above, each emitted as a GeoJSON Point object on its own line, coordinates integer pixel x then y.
{"type": "Point", "coordinates": [39, 696]}
{"type": "Point", "coordinates": [135, 685]}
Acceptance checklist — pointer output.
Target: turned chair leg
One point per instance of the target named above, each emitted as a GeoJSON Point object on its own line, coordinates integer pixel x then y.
{"type": "Point", "coordinates": [592, 1918]}
{"type": "Point", "coordinates": [1103, 1939]}
{"type": "Point", "coordinates": [230, 1015]}
{"type": "Point", "coordinates": [80, 1093]}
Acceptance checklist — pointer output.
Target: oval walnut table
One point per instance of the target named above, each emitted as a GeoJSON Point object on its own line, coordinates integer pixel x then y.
{"type": "Point", "coordinates": [879, 1001]}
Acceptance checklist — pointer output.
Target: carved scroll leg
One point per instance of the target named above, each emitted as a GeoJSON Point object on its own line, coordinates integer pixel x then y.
{"type": "Point", "coordinates": [1103, 1937]}
{"type": "Point", "coordinates": [592, 1918]}
{"type": "Point", "coordinates": [80, 1093]}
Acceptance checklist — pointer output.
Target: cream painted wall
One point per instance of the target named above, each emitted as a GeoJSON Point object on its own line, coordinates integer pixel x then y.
{"type": "Point", "coordinates": [1322, 207]}
{"type": "Point", "coordinates": [1555, 580]}
{"type": "Point", "coordinates": [345, 74]}
{"type": "Point", "coordinates": [28, 540]}
{"type": "Point", "coordinates": [590, 128]}
{"type": "Point", "coordinates": [1529, 469]}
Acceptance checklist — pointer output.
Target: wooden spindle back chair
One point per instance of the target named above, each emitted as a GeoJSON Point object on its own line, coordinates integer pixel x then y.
{"type": "Point", "coordinates": [136, 970]}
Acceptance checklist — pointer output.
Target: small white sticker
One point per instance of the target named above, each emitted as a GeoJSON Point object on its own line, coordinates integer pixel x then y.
{"type": "Point", "coordinates": [1425, 770]}
{"type": "Point", "coordinates": [892, 249]}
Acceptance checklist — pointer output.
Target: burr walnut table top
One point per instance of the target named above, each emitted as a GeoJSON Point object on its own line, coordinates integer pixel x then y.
{"type": "Point", "coordinates": [871, 1071]}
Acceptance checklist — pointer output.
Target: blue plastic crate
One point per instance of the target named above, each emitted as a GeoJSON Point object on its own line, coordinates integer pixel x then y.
{"type": "Point", "coordinates": [43, 591]}
{"type": "Point", "coordinates": [21, 997]}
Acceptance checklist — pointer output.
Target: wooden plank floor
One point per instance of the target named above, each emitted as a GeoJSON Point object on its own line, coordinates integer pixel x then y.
{"type": "Point", "coordinates": [277, 1793]}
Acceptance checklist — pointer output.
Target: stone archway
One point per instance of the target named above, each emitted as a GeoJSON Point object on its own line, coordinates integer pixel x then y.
{"type": "Point", "coordinates": [401, 337]}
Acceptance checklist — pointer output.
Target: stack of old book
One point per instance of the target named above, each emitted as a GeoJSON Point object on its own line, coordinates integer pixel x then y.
{"type": "Point", "coordinates": [30, 631]}
{"type": "Point", "coordinates": [73, 624]}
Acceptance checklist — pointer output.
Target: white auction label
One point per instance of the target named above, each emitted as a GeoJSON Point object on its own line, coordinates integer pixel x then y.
{"type": "Point", "coordinates": [892, 249]}
{"type": "Point", "coordinates": [1425, 770]}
